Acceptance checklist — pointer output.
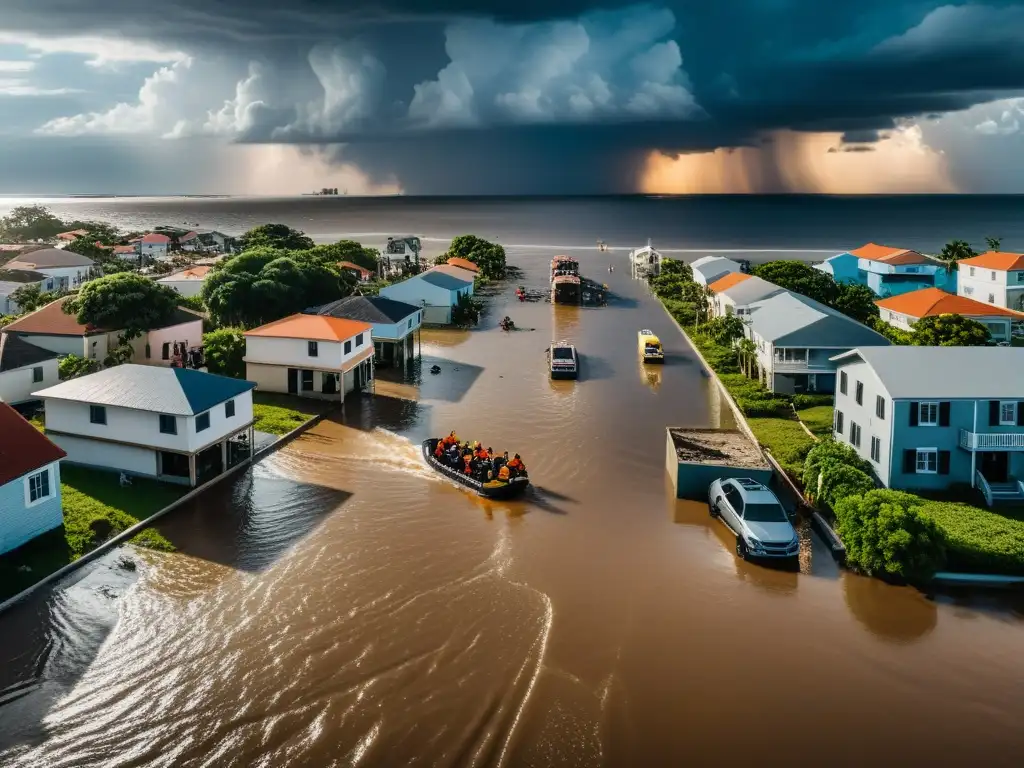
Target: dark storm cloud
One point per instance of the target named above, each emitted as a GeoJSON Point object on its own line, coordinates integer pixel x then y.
{"type": "Point", "coordinates": [851, 66]}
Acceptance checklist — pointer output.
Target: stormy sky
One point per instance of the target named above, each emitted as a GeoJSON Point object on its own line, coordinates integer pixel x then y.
{"type": "Point", "coordinates": [510, 97]}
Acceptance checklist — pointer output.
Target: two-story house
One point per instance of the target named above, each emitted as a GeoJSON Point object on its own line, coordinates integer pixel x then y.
{"type": "Point", "coordinates": [888, 271]}
{"type": "Point", "coordinates": [173, 424]}
{"type": "Point", "coordinates": [310, 355]}
{"type": "Point", "coordinates": [24, 368]}
{"type": "Point", "coordinates": [30, 501]}
{"type": "Point", "coordinates": [50, 327]}
{"type": "Point", "coordinates": [995, 278]}
{"type": "Point", "coordinates": [154, 245]}
{"type": "Point", "coordinates": [928, 418]}
{"type": "Point", "coordinates": [796, 339]}
{"type": "Point", "coordinates": [734, 293]}
{"type": "Point", "coordinates": [68, 269]}
{"type": "Point", "coordinates": [395, 324]}
{"type": "Point", "coordinates": [906, 309]}
{"type": "Point", "coordinates": [708, 269]}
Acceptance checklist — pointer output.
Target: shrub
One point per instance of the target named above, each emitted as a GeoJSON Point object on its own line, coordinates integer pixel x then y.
{"type": "Point", "coordinates": [721, 359]}
{"type": "Point", "coordinates": [767, 407]}
{"type": "Point", "coordinates": [841, 480]}
{"type": "Point", "coordinates": [683, 311]}
{"type": "Point", "coordinates": [800, 402]}
{"type": "Point", "coordinates": [886, 534]}
{"type": "Point", "coordinates": [828, 453]}
{"type": "Point", "coordinates": [979, 540]}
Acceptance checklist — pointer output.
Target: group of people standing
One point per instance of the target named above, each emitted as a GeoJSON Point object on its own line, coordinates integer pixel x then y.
{"type": "Point", "coordinates": [480, 463]}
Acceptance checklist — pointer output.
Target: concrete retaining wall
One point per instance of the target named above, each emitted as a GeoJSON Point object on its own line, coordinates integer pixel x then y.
{"type": "Point", "coordinates": [692, 479]}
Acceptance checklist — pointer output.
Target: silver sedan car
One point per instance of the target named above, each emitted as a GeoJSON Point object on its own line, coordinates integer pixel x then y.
{"type": "Point", "coordinates": [757, 518]}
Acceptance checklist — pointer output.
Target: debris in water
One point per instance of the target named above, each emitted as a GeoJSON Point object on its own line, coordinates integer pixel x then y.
{"type": "Point", "coordinates": [435, 369]}
{"type": "Point", "coordinates": [127, 564]}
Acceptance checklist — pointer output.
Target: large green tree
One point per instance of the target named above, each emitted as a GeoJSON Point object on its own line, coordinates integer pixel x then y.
{"type": "Point", "coordinates": [276, 236]}
{"type": "Point", "coordinates": [123, 301]}
{"type": "Point", "coordinates": [87, 247]}
{"type": "Point", "coordinates": [224, 351]}
{"type": "Point", "coordinates": [955, 250]}
{"type": "Point", "coordinates": [488, 256]}
{"type": "Point", "coordinates": [30, 222]}
{"type": "Point", "coordinates": [265, 284]}
{"type": "Point", "coordinates": [856, 301]}
{"type": "Point", "coordinates": [950, 331]}
{"type": "Point", "coordinates": [346, 250]}
{"type": "Point", "coordinates": [801, 278]}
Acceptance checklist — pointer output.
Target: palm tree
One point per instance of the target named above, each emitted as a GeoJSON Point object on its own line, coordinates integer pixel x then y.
{"type": "Point", "coordinates": [993, 243]}
{"type": "Point", "coordinates": [955, 250]}
{"type": "Point", "coordinates": [747, 354]}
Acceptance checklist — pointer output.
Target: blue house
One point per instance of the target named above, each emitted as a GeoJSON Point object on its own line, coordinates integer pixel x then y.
{"type": "Point", "coordinates": [30, 502]}
{"type": "Point", "coordinates": [928, 418]}
{"type": "Point", "coordinates": [796, 339]}
{"type": "Point", "coordinates": [435, 291]}
{"type": "Point", "coordinates": [889, 271]}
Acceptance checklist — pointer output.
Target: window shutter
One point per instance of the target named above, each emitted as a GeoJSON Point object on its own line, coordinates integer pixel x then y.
{"type": "Point", "coordinates": [944, 414]}
{"type": "Point", "coordinates": [943, 462]}
{"type": "Point", "coordinates": [913, 414]}
{"type": "Point", "coordinates": [1020, 414]}
{"type": "Point", "coordinates": [910, 461]}
{"type": "Point", "coordinates": [993, 413]}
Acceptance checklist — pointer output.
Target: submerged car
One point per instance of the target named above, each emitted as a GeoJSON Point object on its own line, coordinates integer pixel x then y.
{"type": "Point", "coordinates": [756, 516]}
{"type": "Point", "coordinates": [563, 360]}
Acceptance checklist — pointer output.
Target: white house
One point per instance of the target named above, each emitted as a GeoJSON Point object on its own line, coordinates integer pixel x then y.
{"type": "Point", "coordinates": [994, 277]}
{"type": "Point", "coordinates": [905, 309]}
{"type": "Point", "coordinates": [13, 280]}
{"type": "Point", "coordinates": [394, 323]}
{"type": "Point", "coordinates": [736, 292]}
{"type": "Point", "coordinates": [30, 500]}
{"type": "Point", "coordinates": [153, 245]}
{"type": "Point", "coordinates": [797, 339]}
{"type": "Point", "coordinates": [708, 269]}
{"type": "Point", "coordinates": [51, 328]}
{"type": "Point", "coordinates": [310, 355]}
{"type": "Point", "coordinates": [645, 262]}
{"type": "Point", "coordinates": [68, 269]}
{"type": "Point", "coordinates": [173, 424]}
{"type": "Point", "coordinates": [24, 368]}
{"type": "Point", "coordinates": [928, 418]}
{"type": "Point", "coordinates": [436, 292]}
{"type": "Point", "coordinates": [188, 282]}
{"type": "Point", "coordinates": [206, 241]}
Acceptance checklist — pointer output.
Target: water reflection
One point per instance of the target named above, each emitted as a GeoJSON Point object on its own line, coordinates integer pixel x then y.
{"type": "Point", "coordinates": [445, 337]}
{"type": "Point", "coordinates": [898, 615]}
{"type": "Point", "coordinates": [651, 375]}
{"type": "Point", "coordinates": [565, 322]}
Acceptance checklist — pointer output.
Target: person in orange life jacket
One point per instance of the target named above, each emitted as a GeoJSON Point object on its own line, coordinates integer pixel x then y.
{"type": "Point", "coordinates": [503, 473]}
{"type": "Point", "coordinates": [468, 459]}
{"type": "Point", "coordinates": [439, 450]}
{"type": "Point", "coordinates": [516, 465]}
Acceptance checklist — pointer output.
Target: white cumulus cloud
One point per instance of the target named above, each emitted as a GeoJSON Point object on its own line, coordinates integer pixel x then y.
{"type": "Point", "coordinates": [98, 51]}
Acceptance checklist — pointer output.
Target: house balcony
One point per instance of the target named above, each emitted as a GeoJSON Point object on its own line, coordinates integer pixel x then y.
{"type": "Point", "coordinates": [991, 441]}
{"type": "Point", "coordinates": [803, 366]}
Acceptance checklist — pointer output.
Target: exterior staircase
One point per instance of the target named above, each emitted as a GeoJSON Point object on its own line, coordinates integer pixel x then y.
{"type": "Point", "coordinates": [1011, 491]}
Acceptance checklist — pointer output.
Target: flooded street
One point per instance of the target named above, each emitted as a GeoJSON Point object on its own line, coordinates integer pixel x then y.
{"type": "Point", "coordinates": [341, 604]}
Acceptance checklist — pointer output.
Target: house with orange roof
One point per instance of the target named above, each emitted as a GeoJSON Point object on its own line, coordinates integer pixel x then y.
{"type": "Point", "coordinates": [708, 269]}
{"type": "Point", "coordinates": [70, 237]}
{"type": "Point", "coordinates": [310, 355]}
{"type": "Point", "coordinates": [887, 270]}
{"type": "Point", "coordinates": [906, 309]}
{"type": "Point", "coordinates": [362, 274]}
{"type": "Point", "coordinates": [153, 245]}
{"type": "Point", "coordinates": [187, 282]}
{"type": "Point", "coordinates": [461, 263]}
{"type": "Point", "coordinates": [995, 278]}
{"type": "Point", "coordinates": [738, 292]}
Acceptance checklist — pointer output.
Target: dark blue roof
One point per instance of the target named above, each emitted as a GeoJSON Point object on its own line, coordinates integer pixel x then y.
{"type": "Point", "coordinates": [205, 390]}
{"type": "Point", "coordinates": [442, 280]}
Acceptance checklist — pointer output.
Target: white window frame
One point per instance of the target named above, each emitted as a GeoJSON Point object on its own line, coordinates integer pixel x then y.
{"type": "Point", "coordinates": [924, 407]}
{"type": "Point", "coordinates": [1012, 406]}
{"type": "Point", "coordinates": [876, 449]}
{"type": "Point", "coordinates": [785, 355]}
{"type": "Point", "coordinates": [28, 487]}
{"type": "Point", "coordinates": [924, 453]}
{"type": "Point", "coordinates": [972, 271]}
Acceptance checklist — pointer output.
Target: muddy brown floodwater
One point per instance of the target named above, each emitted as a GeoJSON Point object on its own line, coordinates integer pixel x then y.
{"type": "Point", "coordinates": [342, 605]}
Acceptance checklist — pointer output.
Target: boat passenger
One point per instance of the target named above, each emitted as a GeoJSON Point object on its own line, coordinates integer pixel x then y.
{"type": "Point", "coordinates": [503, 473]}
{"type": "Point", "coordinates": [516, 466]}
{"type": "Point", "coordinates": [468, 459]}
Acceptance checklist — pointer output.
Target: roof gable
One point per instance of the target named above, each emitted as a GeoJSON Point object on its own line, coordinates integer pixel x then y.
{"type": "Point", "coordinates": [16, 353]}
{"type": "Point", "coordinates": [465, 275]}
{"type": "Point", "coordinates": [314, 327]}
{"type": "Point", "coordinates": [23, 448]}
{"type": "Point", "coordinates": [752, 290]}
{"type": "Point", "coordinates": [928, 302]}
{"type": "Point", "coordinates": [46, 258]}
{"type": "Point", "coordinates": [731, 279]}
{"type": "Point", "coordinates": [889, 255]}
{"type": "Point", "coordinates": [791, 319]}
{"type": "Point", "coordinates": [368, 309]}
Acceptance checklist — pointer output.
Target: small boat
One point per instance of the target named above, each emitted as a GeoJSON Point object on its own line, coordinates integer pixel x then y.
{"type": "Point", "coordinates": [493, 489]}
{"type": "Point", "coordinates": [650, 347]}
{"type": "Point", "coordinates": [563, 361]}
{"type": "Point", "coordinates": [506, 324]}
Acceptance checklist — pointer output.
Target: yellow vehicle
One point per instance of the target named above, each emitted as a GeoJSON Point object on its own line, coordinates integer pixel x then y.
{"type": "Point", "coordinates": [650, 347]}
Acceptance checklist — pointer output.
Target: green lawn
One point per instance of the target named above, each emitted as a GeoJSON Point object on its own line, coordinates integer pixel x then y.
{"type": "Point", "coordinates": [96, 508]}
{"type": "Point", "coordinates": [818, 419]}
{"type": "Point", "coordinates": [980, 540]}
{"type": "Point", "coordinates": [280, 414]}
{"type": "Point", "coordinates": [787, 441]}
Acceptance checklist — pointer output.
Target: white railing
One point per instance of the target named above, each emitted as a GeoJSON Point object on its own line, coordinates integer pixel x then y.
{"type": "Point", "coordinates": [981, 482]}
{"type": "Point", "coordinates": [992, 441]}
{"type": "Point", "coordinates": [802, 365]}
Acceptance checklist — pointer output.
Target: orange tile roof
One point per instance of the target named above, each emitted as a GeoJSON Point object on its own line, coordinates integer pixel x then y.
{"type": "Point", "coordinates": [455, 261]}
{"type": "Point", "coordinates": [51, 321]}
{"type": "Point", "coordinates": [724, 283]}
{"type": "Point", "coordinates": [888, 255]}
{"type": "Point", "coordinates": [196, 272]}
{"type": "Point", "coordinates": [313, 327]}
{"type": "Point", "coordinates": [928, 302]}
{"type": "Point", "coordinates": [1002, 262]}
{"type": "Point", "coordinates": [352, 265]}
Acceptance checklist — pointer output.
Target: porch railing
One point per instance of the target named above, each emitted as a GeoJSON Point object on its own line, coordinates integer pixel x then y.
{"type": "Point", "coordinates": [991, 441]}
{"type": "Point", "coordinates": [981, 482]}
